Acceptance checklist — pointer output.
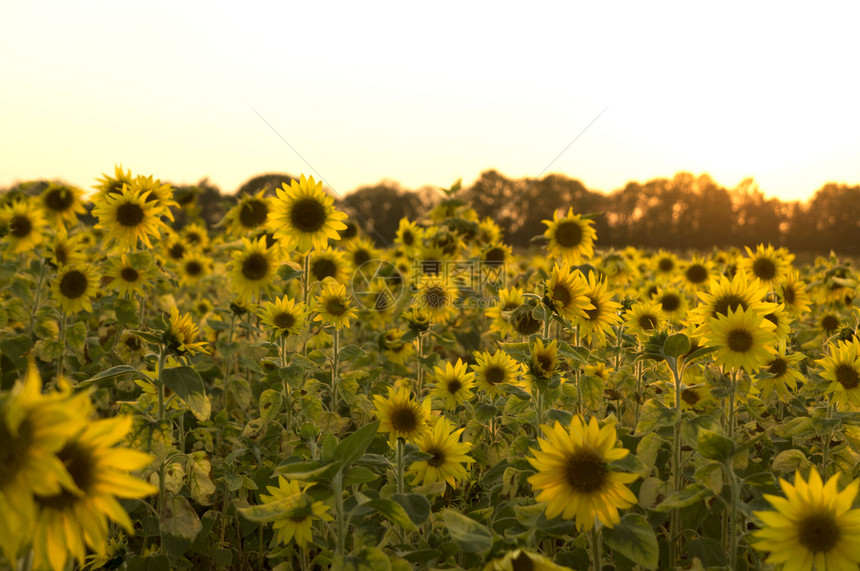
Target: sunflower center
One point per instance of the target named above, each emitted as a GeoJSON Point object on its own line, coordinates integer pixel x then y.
{"type": "Point", "coordinates": [847, 376]}
{"type": "Point", "coordinates": [60, 254]}
{"type": "Point", "coordinates": [788, 294]}
{"type": "Point", "coordinates": [777, 367]}
{"type": "Point", "coordinates": [545, 362]}
{"type": "Point", "coordinates": [360, 256]}
{"type": "Point", "coordinates": [193, 237]}
{"type": "Point", "coordinates": [437, 457]}
{"type": "Point", "coordinates": [729, 301]}
{"type": "Point", "coordinates": [454, 385]}
{"type": "Point", "coordinates": [59, 199]}
{"type": "Point", "coordinates": [81, 467]}
{"type": "Point", "coordinates": [740, 340]}
{"type": "Point", "coordinates": [73, 284]}
{"type": "Point", "coordinates": [666, 265]}
{"type": "Point", "coordinates": [568, 234]}
{"type": "Point", "coordinates": [585, 471]}
{"type": "Point", "coordinates": [829, 323]}
{"type": "Point", "coordinates": [670, 302]}
{"type": "Point", "coordinates": [129, 214]}
{"type": "Point", "coordinates": [494, 375]}
{"type": "Point", "coordinates": [323, 268]}
{"type": "Point", "coordinates": [764, 269]}
{"type": "Point", "coordinates": [129, 274]}
{"type": "Point", "coordinates": [133, 343]}
{"type": "Point", "coordinates": [255, 267]}
{"type": "Point", "coordinates": [561, 295]}
{"type": "Point", "coordinates": [408, 238]}
{"type": "Point", "coordinates": [523, 562]}
{"type": "Point", "coordinates": [308, 215]}
{"type": "Point", "coordinates": [818, 532]}
{"type": "Point", "coordinates": [404, 419]}
{"type": "Point", "coordinates": [494, 256]}
{"type": "Point", "coordinates": [20, 227]}
{"type": "Point", "coordinates": [283, 320]}
{"type": "Point", "coordinates": [253, 213]}
{"type": "Point", "coordinates": [176, 251]}
{"type": "Point", "coordinates": [335, 307]}
{"type": "Point", "coordinates": [690, 396]}
{"type": "Point", "coordinates": [193, 268]}
{"type": "Point", "coordinates": [13, 453]}
{"type": "Point", "coordinates": [697, 273]}
{"type": "Point", "coordinates": [647, 322]}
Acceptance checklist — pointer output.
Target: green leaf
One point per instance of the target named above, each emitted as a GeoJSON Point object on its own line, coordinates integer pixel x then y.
{"type": "Point", "coordinates": [686, 497]}
{"type": "Point", "coordinates": [188, 385]}
{"type": "Point", "coordinates": [484, 412]}
{"type": "Point", "coordinates": [302, 361]}
{"type": "Point", "coordinates": [790, 461]}
{"type": "Point", "coordinates": [634, 538]}
{"type": "Point", "coordinates": [179, 525]}
{"type": "Point", "coordinates": [350, 352]}
{"type": "Point", "coordinates": [297, 505]}
{"type": "Point", "coordinates": [556, 415]}
{"type": "Point", "coordinates": [289, 271]}
{"type": "Point", "coordinates": [517, 392]}
{"type": "Point", "coordinates": [389, 508]}
{"type": "Point", "coordinates": [270, 404]}
{"type": "Point", "coordinates": [308, 471]}
{"type": "Point", "coordinates": [127, 312]}
{"type": "Point", "coordinates": [713, 445]}
{"type": "Point", "coordinates": [111, 374]}
{"type": "Point", "coordinates": [655, 414]}
{"type": "Point", "coordinates": [469, 535]}
{"type": "Point", "coordinates": [797, 426]}
{"type": "Point", "coordinates": [358, 475]}
{"type": "Point", "coordinates": [676, 345]}
{"type": "Point", "coordinates": [354, 446]}
{"type": "Point", "coordinates": [710, 475]}
{"type": "Point", "coordinates": [76, 336]}
{"type": "Point", "coordinates": [417, 506]}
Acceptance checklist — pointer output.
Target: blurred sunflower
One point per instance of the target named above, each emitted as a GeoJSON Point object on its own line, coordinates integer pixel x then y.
{"type": "Point", "coordinates": [130, 347]}
{"type": "Point", "coordinates": [673, 303]}
{"type": "Point", "coordinates": [396, 350]}
{"type": "Point", "coordinates": [64, 249]}
{"type": "Point", "coordinates": [453, 384]}
{"type": "Point", "coordinates": [496, 254]}
{"type": "Point", "coordinates": [435, 296]}
{"type": "Point", "coordinates": [665, 265]}
{"type": "Point", "coordinates": [574, 477]}
{"type": "Point", "coordinates": [161, 194]}
{"type": "Point", "coordinates": [194, 266]}
{"type": "Point", "coordinates": [128, 216]}
{"type": "Point", "coordinates": [842, 368]}
{"type": "Point", "coordinates": [782, 374]}
{"type": "Point", "coordinates": [304, 217]}
{"type": "Point", "coordinates": [604, 315]}
{"type": "Point", "coordinates": [74, 287]}
{"type": "Point", "coordinates": [570, 236]}
{"type": "Point", "coordinates": [493, 370]}
{"type": "Point", "coordinates": [813, 527]}
{"type": "Point", "coordinates": [644, 318]}
{"type": "Point", "coordinates": [447, 455]}
{"type": "Point", "coordinates": [129, 274]}
{"type": "Point", "coordinates": [521, 559]}
{"type": "Point", "coordinates": [543, 360]}
{"type": "Point", "coordinates": [297, 526]}
{"type": "Point", "coordinates": [744, 339]}
{"type": "Point", "coordinates": [328, 263]}
{"type": "Point", "coordinates": [333, 305]}
{"type": "Point", "coordinates": [251, 212]}
{"type": "Point", "coordinates": [77, 516]}
{"type": "Point", "coordinates": [196, 236]}
{"type": "Point", "coordinates": [565, 293]}
{"type": "Point", "coordinates": [24, 221]}
{"type": "Point", "coordinates": [792, 292]}
{"type": "Point", "coordinates": [360, 251]}
{"type": "Point", "coordinates": [252, 269]}
{"type": "Point", "coordinates": [767, 264]}
{"type": "Point", "coordinates": [697, 272]}
{"type": "Point", "coordinates": [828, 322]}
{"type": "Point", "coordinates": [409, 236]}
{"type": "Point", "coordinates": [112, 184]}
{"type": "Point", "coordinates": [180, 335]}
{"type": "Point", "coordinates": [401, 415]}
{"type": "Point", "coordinates": [417, 318]}
{"type": "Point", "coordinates": [284, 317]}
{"type": "Point", "coordinates": [62, 203]}
{"type": "Point", "coordinates": [509, 299]}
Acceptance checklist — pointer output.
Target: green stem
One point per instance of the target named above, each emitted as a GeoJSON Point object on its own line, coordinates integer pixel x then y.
{"type": "Point", "coordinates": [162, 492]}
{"type": "Point", "coordinates": [62, 362]}
{"type": "Point", "coordinates": [399, 466]}
{"type": "Point", "coordinates": [734, 490]}
{"type": "Point", "coordinates": [335, 336]}
{"type": "Point", "coordinates": [420, 365]}
{"type": "Point", "coordinates": [38, 299]}
{"type": "Point", "coordinates": [596, 548]}
{"type": "Point", "coordinates": [337, 483]}
{"type": "Point", "coordinates": [675, 521]}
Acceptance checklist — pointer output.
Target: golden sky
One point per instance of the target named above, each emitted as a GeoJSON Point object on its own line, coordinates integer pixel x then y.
{"type": "Point", "coordinates": [355, 92]}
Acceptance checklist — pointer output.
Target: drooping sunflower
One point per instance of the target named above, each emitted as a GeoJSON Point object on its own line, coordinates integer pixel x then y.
{"type": "Point", "coordinates": [453, 384]}
{"type": "Point", "coordinates": [574, 474]}
{"type": "Point", "coordinates": [401, 415]}
{"type": "Point", "coordinates": [523, 322]}
{"type": "Point", "coordinates": [744, 339]}
{"type": "Point", "coordinates": [251, 212]}
{"type": "Point", "coordinates": [129, 273]}
{"type": "Point", "coordinates": [25, 222]}
{"type": "Point", "coordinates": [604, 315]}
{"type": "Point", "coordinates": [252, 268]}
{"type": "Point", "coordinates": [792, 292]}
{"type": "Point", "coordinates": [333, 305]}
{"type": "Point", "coordinates": [509, 299]}
{"type": "Point", "coordinates": [644, 318]}
{"type": "Point", "coordinates": [304, 217]}
{"type": "Point", "coordinates": [447, 455]}
{"type": "Point", "coordinates": [782, 374]}
{"type": "Point", "coordinates": [570, 236]}
{"type": "Point", "coordinates": [521, 559]}
{"type": "Point", "coordinates": [62, 203]}
{"type": "Point", "coordinates": [417, 318]}
{"type": "Point", "coordinates": [77, 516]}
{"type": "Point", "coordinates": [284, 317]}
{"type": "Point", "coordinates": [74, 287]}
{"type": "Point", "coordinates": [842, 368]}
{"type": "Point", "coordinates": [813, 526]}
{"type": "Point", "coordinates": [767, 264]}
{"type": "Point", "coordinates": [328, 263]}
{"type": "Point", "coordinates": [396, 350]}
{"type": "Point", "coordinates": [543, 360]}
{"type": "Point", "coordinates": [297, 527]}
{"type": "Point", "coordinates": [565, 292]}
{"type": "Point", "coordinates": [128, 216]}
{"type": "Point", "coordinates": [181, 333]}
{"type": "Point", "coordinates": [493, 370]}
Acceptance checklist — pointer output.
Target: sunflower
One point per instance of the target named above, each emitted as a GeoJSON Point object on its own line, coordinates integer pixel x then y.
{"type": "Point", "coordinates": [565, 293]}
{"type": "Point", "coordinates": [570, 236]}
{"type": "Point", "coordinates": [673, 303]}
{"type": "Point", "coordinates": [781, 374]}
{"type": "Point", "coordinates": [813, 526]}
{"type": "Point", "coordinates": [744, 339]}
{"type": "Point", "coordinates": [574, 476]}
{"type": "Point", "coordinates": [493, 370]}
{"type": "Point", "coordinates": [792, 292]}
{"type": "Point", "coordinates": [509, 299]}
{"type": "Point", "coordinates": [521, 559]}
{"type": "Point", "coordinates": [436, 297]}
{"type": "Point", "coordinates": [543, 360]}
{"type": "Point", "coordinates": [129, 273]}
{"type": "Point", "coordinates": [644, 318]}
{"type": "Point", "coordinates": [666, 265]}
{"type": "Point", "coordinates": [396, 350]}
{"type": "Point", "coordinates": [767, 264]}
{"type": "Point", "coordinates": [828, 322]}
{"type": "Point", "coordinates": [360, 251]}
{"type": "Point", "coordinates": [24, 221]}
{"type": "Point", "coordinates": [77, 515]}
{"type": "Point", "coordinates": [193, 267]}
{"type": "Point", "coordinates": [298, 526]}
{"type": "Point", "coordinates": [65, 250]}
{"type": "Point", "coordinates": [284, 317]}
{"type": "Point", "coordinates": [453, 384]}
{"type": "Point", "coordinates": [62, 203]}
{"type": "Point", "coordinates": [417, 318]}
{"type": "Point", "coordinates": [128, 216]}
{"type": "Point", "coordinates": [523, 322]}
{"type": "Point", "coordinates": [158, 193]}
{"type": "Point", "coordinates": [724, 294]}
{"type": "Point", "coordinates": [401, 415]}
{"type": "Point", "coordinates": [252, 268]}
{"type": "Point", "coordinates": [781, 321]}
{"type": "Point", "coordinates": [251, 212]}
{"type": "Point", "coordinates": [697, 272]}
{"type": "Point", "coordinates": [195, 235]}
{"type": "Point", "coordinates": [604, 315]}
{"type": "Point", "coordinates": [74, 287]}
{"type": "Point", "coordinates": [842, 368]}
{"type": "Point", "coordinates": [447, 455]}
{"type": "Point", "coordinates": [130, 347]}
{"type": "Point", "coordinates": [112, 184]}
{"type": "Point", "coordinates": [180, 335]}
{"type": "Point", "coordinates": [409, 236]}
{"type": "Point", "coordinates": [496, 254]}
{"type": "Point", "coordinates": [333, 305]}
{"type": "Point", "coordinates": [33, 428]}
{"type": "Point", "coordinates": [488, 232]}
{"type": "Point", "coordinates": [328, 263]}
{"type": "Point", "coordinates": [304, 217]}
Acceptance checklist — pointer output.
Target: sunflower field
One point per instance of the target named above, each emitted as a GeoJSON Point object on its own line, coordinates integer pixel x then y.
{"type": "Point", "coordinates": [281, 392]}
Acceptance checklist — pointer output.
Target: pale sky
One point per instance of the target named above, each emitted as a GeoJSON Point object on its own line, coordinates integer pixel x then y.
{"type": "Point", "coordinates": [428, 93]}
